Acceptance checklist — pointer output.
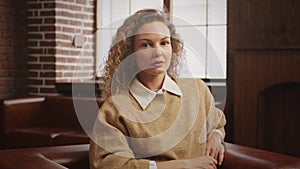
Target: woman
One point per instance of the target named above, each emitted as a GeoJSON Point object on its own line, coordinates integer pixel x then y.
{"type": "Point", "coordinates": [151, 119]}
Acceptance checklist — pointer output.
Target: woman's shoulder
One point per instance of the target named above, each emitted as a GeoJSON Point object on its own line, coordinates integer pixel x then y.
{"type": "Point", "coordinates": [116, 97]}
{"type": "Point", "coordinates": [190, 82]}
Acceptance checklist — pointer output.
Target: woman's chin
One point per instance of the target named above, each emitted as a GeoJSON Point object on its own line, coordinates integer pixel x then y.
{"type": "Point", "coordinates": [154, 71]}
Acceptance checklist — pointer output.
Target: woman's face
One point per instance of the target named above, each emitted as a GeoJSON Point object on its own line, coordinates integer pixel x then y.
{"type": "Point", "coordinates": [152, 47]}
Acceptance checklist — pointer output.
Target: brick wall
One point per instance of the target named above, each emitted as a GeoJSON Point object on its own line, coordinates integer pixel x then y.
{"type": "Point", "coordinates": [53, 57]}
{"type": "Point", "coordinates": [74, 19]}
{"type": "Point", "coordinates": [13, 48]}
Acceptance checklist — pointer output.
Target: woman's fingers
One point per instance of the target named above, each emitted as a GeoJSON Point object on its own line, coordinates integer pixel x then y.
{"type": "Point", "coordinates": [221, 156]}
{"type": "Point", "coordinates": [216, 151]}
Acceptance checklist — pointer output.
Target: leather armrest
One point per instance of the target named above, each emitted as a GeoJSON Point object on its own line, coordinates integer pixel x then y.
{"type": "Point", "coordinates": [20, 112]}
{"type": "Point", "coordinates": [241, 157]}
{"type": "Point", "coordinates": [58, 157]}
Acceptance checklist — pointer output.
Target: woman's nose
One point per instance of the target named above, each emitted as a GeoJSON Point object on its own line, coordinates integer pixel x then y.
{"type": "Point", "coordinates": [157, 52]}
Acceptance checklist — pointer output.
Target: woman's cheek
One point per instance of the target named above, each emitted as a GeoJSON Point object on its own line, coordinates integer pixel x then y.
{"type": "Point", "coordinates": [142, 61]}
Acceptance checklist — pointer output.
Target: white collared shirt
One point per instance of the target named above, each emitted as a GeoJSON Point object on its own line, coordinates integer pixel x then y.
{"type": "Point", "coordinates": [144, 96]}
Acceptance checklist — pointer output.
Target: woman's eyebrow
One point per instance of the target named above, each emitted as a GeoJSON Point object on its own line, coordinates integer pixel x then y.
{"type": "Point", "coordinates": [145, 39]}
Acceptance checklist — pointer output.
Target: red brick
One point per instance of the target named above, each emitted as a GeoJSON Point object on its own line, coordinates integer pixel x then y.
{"type": "Point", "coordinates": [49, 5]}
{"type": "Point", "coordinates": [34, 66]}
{"type": "Point", "coordinates": [65, 44]}
{"type": "Point", "coordinates": [46, 43]}
{"type": "Point", "coordinates": [75, 8]}
{"type": "Point", "coordinates": [48, 67]}
{"type": "Point", "coordinates": [89, 9]}
{"type": "Point", "coordinates": [35, 6]}
{"type": "Point", "coordinates": [87, 68]}
{"type": "Point", "coordinates": [63, 6]}
{"type": "Point", "coordinates": [62, 52]}
{"type": "Point", "coordinates": [47, 13]}
{"type": "Point", "coordinates": [49, 82]}
{"type": "Point", "coordinates": [35, 36]}
{"type": "Point", "coordinates": [35, 51]}
{"type": "Point", "coordinates": [81, 1]}
{"type": "Point", "coordinates": [35, 21]}
{"type": "Point", "coordinates": [47, 28]}
{"type": "Point", "coordinates": [80, 16]}
{"type": "Point", "coordinates": [50, 35]}
{"type": "Point", "coordinates": [88, 32]}
{"type": "Point", "coordinates": [35, 81]}
{"type": "Point", "coordinates": [75, 23]}
{"type": "Point", "coordinates": [67, 29]}
{"type": "Point", "coordinates": [71, 60]}
{"type": "Point", "coordinates": [63, 36]}
{"type": "Point", "coordinates": [47, 59]}
{"type": "Point", "coordinates": [47, 74]}
{"type": "Point", "coordinates": [62, 21]}
{"type": "Point", "coordinates": [65, 14]}
{"type": "Point", "coordinates": [49, 20]}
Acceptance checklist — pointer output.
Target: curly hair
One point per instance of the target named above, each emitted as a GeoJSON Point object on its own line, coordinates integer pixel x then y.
{"type": "Point", "coordinates": [122, 47]}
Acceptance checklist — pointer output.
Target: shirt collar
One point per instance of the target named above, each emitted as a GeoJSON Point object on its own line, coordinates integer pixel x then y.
{"type": "Point", "coordinates": [144, 96]}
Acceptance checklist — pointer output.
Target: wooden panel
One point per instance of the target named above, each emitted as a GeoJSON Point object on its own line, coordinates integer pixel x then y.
{"type": "Point", "coordinates": [279, 119]}
{"type": "Point", "coordinates": [264, 24]}
{"type": "Point", "coordinates": [254, 72]}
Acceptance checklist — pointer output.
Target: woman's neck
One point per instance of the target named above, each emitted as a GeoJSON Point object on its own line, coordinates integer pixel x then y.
{"type": "Point", "coordinates": [152, 82]}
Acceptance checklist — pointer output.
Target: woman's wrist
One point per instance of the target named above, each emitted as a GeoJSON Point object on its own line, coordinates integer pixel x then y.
{"type": "Point", "coordinates": [174, 164]}
{"type": "Point", "coordinates": [217, 136]}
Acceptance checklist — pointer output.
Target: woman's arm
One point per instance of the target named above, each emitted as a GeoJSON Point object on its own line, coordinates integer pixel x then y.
{"type": "Point", "coordinates": [215, 122]}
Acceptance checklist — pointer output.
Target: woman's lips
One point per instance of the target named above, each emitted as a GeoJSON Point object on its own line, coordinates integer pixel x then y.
{"type": "Point", "coordinates": [158, 63]}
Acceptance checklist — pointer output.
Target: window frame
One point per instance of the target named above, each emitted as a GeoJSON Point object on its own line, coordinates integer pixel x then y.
{"type": "Point", "coordinates": [168, 7]}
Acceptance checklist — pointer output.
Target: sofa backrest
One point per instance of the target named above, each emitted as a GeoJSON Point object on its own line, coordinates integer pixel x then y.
{"type": "Point", "coordinates": [20, 112]}
{"type": "Point", "coordinates": [30, 111]}
{"type": "Point", "coordinates": [71, 111]}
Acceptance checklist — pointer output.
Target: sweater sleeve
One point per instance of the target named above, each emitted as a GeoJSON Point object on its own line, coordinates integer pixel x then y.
{"type": "Point", "coordinates": [215, 118]}
{"type": "Point", "coordinates": [109, 147]}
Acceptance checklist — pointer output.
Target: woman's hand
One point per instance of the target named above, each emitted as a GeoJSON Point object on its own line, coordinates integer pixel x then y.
{"type": "Point", "coordinates": [214, 147]}
{"type": "Point", "coordinates": [204, 162]}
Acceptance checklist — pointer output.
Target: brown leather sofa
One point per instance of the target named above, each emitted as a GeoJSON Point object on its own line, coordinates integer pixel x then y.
{"type": "Point", "coordinates": [36, 121]}
{"type": "Point", "coordinates": [76, 157]}
{"type": "Point", "coordinates": [53, 120]}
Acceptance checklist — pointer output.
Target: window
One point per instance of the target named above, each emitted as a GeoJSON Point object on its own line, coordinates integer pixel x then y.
{"type": "Point", "coordinates": [201, 24]}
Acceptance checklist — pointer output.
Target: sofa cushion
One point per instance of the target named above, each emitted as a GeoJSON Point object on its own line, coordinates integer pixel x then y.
{"type": "Point", "coordinates": [34, 136]}
{"type": "Point", "coordinates": [71, 138]}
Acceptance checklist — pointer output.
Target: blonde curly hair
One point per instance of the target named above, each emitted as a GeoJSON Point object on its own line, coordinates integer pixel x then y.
{"type": "Point", "coordinates": [122, 47]}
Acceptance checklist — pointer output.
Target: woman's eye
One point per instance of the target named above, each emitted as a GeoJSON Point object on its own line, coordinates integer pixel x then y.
{"type": "Point", "coordinates": [145, 45]}
{"type": "Point", "coordinates": [165, 42]}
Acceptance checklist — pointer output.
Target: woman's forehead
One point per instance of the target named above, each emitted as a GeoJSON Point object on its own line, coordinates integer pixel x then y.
{"type": "Point", "coordinates": [155, 27]}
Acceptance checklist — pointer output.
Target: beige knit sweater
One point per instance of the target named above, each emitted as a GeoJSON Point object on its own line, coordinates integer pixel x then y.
{"type": "Point", "coordinates": [172, 127]}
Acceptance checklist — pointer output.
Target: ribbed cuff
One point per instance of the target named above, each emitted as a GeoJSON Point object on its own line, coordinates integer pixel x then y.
{"type": "Point", "coordinates": [152, 165]}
